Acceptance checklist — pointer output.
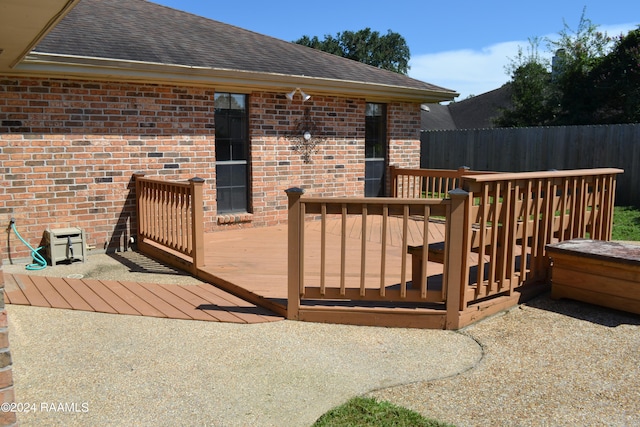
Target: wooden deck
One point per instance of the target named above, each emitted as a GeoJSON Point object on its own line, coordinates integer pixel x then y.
{"type": "Point", "coordinates": [252, 263]}
{"type": "Point", "coordinates": [189, 302]}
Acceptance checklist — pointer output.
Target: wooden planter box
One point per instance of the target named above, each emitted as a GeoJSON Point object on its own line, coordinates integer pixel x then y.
{"type": "Point", "coordinates": [597, 272]}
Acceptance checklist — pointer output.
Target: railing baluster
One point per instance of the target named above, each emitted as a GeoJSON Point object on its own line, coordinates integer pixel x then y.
{"type": "Point", "coordinates": [526, 215]}
{"type": "Point", "coordinates": [425, 252]}
{"type": "Point", "coordinates": [495, 225]}
{"type": "Point", "coordinates": [343, 250]}
{"type": "Point", "coordinates": [563, 210]}
{"type": "Point", "coordinates": [482, 238]}
{"type": "Point", "coordinates": [403, 271]}
{"type": "Point", "coordinates": [599, 234]}
{"type": "Point", "coordinates": [363, 251]}
{"type": "Point", "coordinates": [323, 248]}
{"type": "Point", "coordinates": [573, 206]}
{"type": "Point", "coordinates": [608, 208]}
{"type": "Point", "coordinates": [383, 256]}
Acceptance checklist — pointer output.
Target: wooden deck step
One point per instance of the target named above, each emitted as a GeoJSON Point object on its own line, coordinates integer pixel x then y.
{"type": "Point", "coordinates": [189, 302]}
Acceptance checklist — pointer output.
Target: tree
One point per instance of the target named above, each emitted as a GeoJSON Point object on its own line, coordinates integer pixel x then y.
{"type": "Point", "coordinates": [531, 90]}
{"type": "Point", "coordinates": [616, 82]}
{"type": "Point", "coordinates": [389, 51]}
{"type": "Point", "coordinates": [578, 53]}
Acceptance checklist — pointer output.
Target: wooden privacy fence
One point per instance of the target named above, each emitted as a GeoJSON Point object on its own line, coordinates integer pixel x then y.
{"type": "Point", "coordinates": [170, 217]}
{"type": "Point", "coordinates": [496, 228]}
{"type": "Point", "coordinates": [540, 148]}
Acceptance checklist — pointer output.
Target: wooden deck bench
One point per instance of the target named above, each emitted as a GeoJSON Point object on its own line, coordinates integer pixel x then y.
{"type": "Point", "coordinates": [597, 272]}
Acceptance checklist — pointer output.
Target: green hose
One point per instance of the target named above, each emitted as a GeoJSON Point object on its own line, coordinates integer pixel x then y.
{"type": "Point", "coordinates": [40, 262]}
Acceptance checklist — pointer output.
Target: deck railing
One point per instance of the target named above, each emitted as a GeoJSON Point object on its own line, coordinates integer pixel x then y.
{"type": "Point", "coordinates": [496, 229]}
{"type": "Point", "coordinates": [511, 218]}
{"type": "Point", "coordinates": [170, 214]}
{"type": "Point", "coordinates": [310, 277]}
{"type": "Point", "coordinates": [427, 183]}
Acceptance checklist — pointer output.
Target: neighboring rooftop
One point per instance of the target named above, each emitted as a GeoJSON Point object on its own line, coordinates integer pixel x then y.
{"type": "Point", "coordinates": [477, 112]}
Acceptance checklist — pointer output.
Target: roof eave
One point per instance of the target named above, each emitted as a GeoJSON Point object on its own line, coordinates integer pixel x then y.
{"type": "Point", "coordinates": [54, 65]}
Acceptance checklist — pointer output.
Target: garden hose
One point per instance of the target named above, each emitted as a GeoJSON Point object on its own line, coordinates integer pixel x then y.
{"type": "Point", "coordinates": [40, 262]}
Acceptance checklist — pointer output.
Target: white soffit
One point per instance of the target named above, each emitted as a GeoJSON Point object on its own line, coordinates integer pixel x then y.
{"type": "Point", "coordinates": [23, 23]}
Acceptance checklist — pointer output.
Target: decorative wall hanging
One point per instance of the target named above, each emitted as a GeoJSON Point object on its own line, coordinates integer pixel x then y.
{"type": "Point", "coordinates": [305, 136]}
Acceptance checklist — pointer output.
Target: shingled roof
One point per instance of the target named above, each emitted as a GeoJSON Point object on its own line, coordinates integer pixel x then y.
{"type": "Point", "coordinates": [143, 33]}
{"type": "Point", "coordinates": [477, 112]}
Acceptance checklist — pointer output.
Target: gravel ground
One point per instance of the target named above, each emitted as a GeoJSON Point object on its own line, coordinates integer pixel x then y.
{"type": "Point", "coordinates": [546, 363]}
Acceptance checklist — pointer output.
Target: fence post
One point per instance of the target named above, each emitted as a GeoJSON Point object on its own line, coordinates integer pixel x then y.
{"type": "Point", "coordinates": [295, 227]}
{"type": "Point", "coordinates": [138, 189]}
{"type": "Point", "coordinates": [456, 256]}
{"type": "Point", "coordinates": [197, 223]}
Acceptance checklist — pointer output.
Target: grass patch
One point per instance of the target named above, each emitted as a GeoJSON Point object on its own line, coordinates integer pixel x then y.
{"type": "Point", "coordinates": [626, 223]}
{"type": "Point", "coordinates": [368, 412]}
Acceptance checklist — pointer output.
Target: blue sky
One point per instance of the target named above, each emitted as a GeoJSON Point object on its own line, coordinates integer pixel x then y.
{"type": "Point", "coordinates": [460, 45]}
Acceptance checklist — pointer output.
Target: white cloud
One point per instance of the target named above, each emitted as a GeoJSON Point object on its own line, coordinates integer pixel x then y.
{"type": "Point", "coordinates": [473, 72]}
{"type": "Point", "coordinates": [470, 72]}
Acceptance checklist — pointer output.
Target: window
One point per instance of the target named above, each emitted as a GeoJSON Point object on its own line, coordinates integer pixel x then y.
{"type": "Point", "coordinates": [232, 152]}
{"type": "Point", "coordinates": [375, 144]}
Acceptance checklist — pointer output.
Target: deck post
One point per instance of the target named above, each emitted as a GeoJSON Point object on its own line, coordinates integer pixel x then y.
{"type": "Point", "coordinates": [295, 228]}
{"type": "Point", "coordinates": [197, 223]}
{"type": "Point", "coordinates": [136, 178]}
{"type": "Point", "coordinates": [456, 256]}
{"type": "Point", "coordinates": [393, 180]}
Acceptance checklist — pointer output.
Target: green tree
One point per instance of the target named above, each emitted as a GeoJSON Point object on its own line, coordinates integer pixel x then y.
{"type": "Point", "coordinates": [388, 51]}
{"type": "Point", "coordinates": [578, 53]}
{"type": "Point", "coordinates": [531, 90]}
{"type": "Point", "coordinates": [616, 82]}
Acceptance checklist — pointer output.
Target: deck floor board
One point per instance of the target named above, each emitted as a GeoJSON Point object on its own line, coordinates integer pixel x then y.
{"type": "Point", "coordinates": [111, 298]}
{"type": "Point", "coordinates": [133, 299]}
{"type": "Point", "coordinates": [189, 302]}
{"type": "Point", "coordinates": [32, 293]}
{"type": "Point", "coordinates": [185, 301]}
{"type": "Point", "coordinates": [72, 297]}
{"type": "Point", "coordinates": [47, 290]}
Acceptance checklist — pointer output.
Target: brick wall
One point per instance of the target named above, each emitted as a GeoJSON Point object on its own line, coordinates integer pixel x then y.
{"type": "Point", "coordinates": [68, 150]}
{"type": "Point", "coordinates": [6, 374]}
{"type": "Point", "coordinates": [336, 169]}
{"type": "Point", "coordinates": [404, 135]}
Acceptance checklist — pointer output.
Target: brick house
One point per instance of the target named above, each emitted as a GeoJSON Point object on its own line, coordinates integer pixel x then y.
{"type": "Point", "coordinates": [93, 91]}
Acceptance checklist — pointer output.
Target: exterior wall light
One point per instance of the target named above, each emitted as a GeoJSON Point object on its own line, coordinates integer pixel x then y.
{"type": "Point", "coordinates": [291, 94]}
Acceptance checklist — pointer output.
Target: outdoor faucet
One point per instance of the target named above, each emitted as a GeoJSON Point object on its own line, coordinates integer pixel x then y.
{"type": "Point", "coordinates": [70, 246]}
